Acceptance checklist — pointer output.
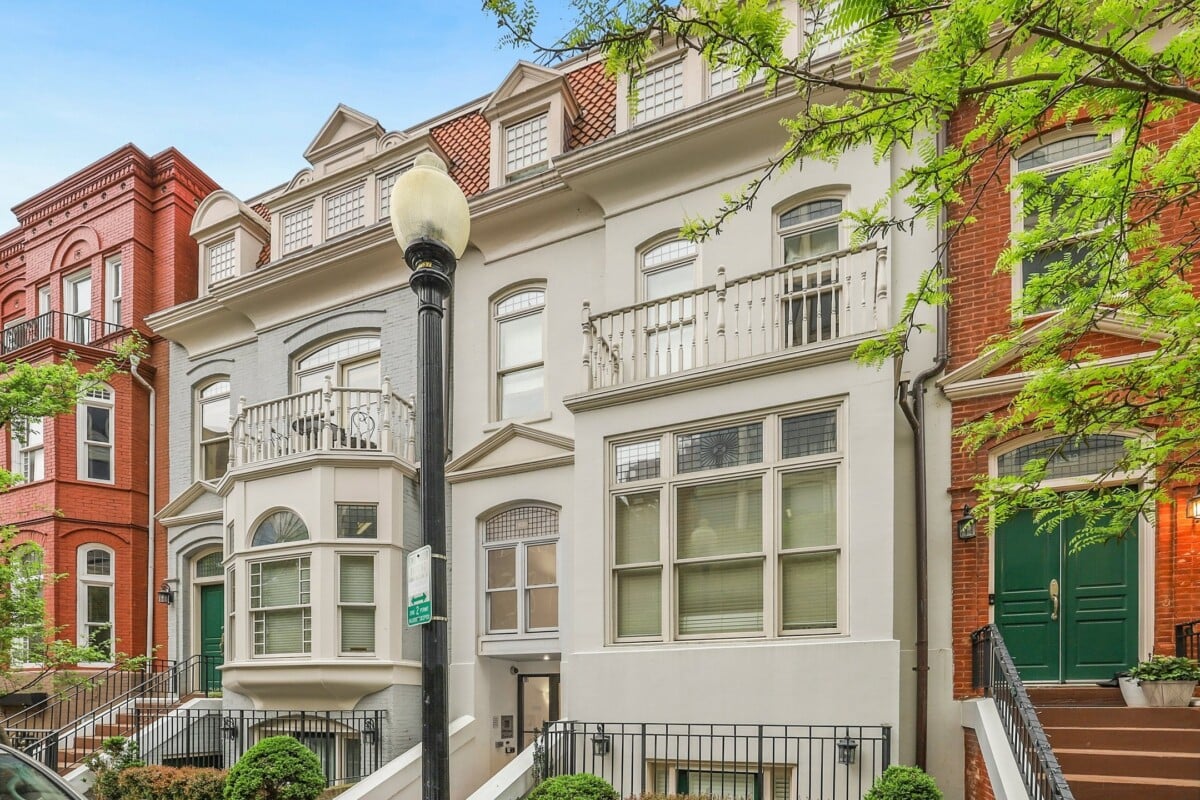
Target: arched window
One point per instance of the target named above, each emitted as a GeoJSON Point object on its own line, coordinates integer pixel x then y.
{"type": "Point", "coordinates": [807, 232]}
{"type": "Point", "coordinates": [520, 554]}
{"type": "Point", "coordinates": [352, 362]}
{"type": "Point", "coordinates": [810, 230]}
{"type": "Point", "coordinates": [97, 573]}
{"type": "Point", "coordinates": [94, 415]}
{"type": "Point", "coordinates": [520, 360]}
{"type": "Point", "coordinates": [212, 415]}
{"type": "Point", "coordinates": [279, 527]}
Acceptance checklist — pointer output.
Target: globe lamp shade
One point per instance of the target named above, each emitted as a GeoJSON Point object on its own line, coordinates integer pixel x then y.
{"type": "Point", "coordinates": [427, 204]}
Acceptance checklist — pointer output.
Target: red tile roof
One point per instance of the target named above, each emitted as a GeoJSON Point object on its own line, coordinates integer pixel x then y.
{"type": "Point", "coordinates": [596, 93]}
{"type": "Point", "coordinates": [264, 255]}
{"type": "Point", "coordinates": [466, 141]}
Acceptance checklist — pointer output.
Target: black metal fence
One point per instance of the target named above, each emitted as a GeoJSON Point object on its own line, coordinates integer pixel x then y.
{"type": "Point", "coordinates": [796, 762]}
{"type": "Point", "coordinates": [993, 670]}
{"type": "Point", "coordinates": [1187, 639]}
{"type": "Point", "coordinates": [57, 325]}
{"type": "Point", "coordinates": [348, 743]}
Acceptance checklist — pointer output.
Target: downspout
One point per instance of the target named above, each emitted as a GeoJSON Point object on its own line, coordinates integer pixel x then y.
{"type": "Point", "coordinates": [134, 363]}
{"type": "Point", "coordinates": [911, 398]}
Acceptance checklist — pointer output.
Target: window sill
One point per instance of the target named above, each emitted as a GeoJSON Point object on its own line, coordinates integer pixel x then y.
{"type": "Point", "coordinates": [492, 427]}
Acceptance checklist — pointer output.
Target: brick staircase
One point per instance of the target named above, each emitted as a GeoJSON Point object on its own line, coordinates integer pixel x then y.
{"type": "Point", "coordinates": [125, 722]}
{"type": "Point", "coordinates": [1110, 752]}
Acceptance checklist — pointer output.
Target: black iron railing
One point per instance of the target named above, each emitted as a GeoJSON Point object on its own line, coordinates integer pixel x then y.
{"type": "Point", "coordinates": [796, 762]}
{"type": "Point", "coordinates": [348, 743]}
{"type": "Point", "coordinates": [93, 691]}
{"type": "Point", "coordinates": [993, 670]}
{"type": "Point", "coordinates": [65, 327]}
{"type": "Point", "coordinates": [1187, 639]}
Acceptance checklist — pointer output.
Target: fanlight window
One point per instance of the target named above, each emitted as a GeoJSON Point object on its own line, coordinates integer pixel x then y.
{"type": "Point", "coordinates": [1091, 455]}
{"type": "Point", "coordinates": [280, 527]}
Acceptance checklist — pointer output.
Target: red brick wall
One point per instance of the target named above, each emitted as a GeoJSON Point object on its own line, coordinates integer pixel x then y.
{"type": "Point", "coordinates": [978, 786]}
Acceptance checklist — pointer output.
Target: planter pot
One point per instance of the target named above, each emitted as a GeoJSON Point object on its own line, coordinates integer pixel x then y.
{"type": "Point", "coordinates": [1171, 694]}
{"type": "Point", "coordinates": [1131, 692]}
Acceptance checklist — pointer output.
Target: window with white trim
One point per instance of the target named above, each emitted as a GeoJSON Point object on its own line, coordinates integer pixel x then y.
{"type": "Point", "coordinates": [357, 520]}
{"type": "Point", "coordinates": [95, 590]}
{"type": "Point", "coordinates": [28, 604]}
{"type": "Point", "coordinates": [520, 557]}
{"type": "Point", "coordinates": [212, 416]}
{"type": "Point", "coordinates": [668, 271]}
{"type": "Point", "coordinates": [279, 527]}
{"type": "Point", "coordinates": [112, 290]}
{"type": "Point", "coordinates": [812, 291]}
{"type": "Point", "coordinates": [231, 613]}
{"type": "Point", "coordinates": [344, 211]}
{"type": "Point", "coordinates": [27, 448]}
{"type": "Point", "coordinates": [356, 603]}
{"type": "Point", "coordinates": [386, 183]}
{"type": "Point", "coordinates": [77, 304]}
{"type": "Point", "coordinates": [297, 229]}
{"type": "Point", "coordinates": [526, 147]}
{"type": "Point", "coordinates": [95, 434]}
{"type": "Point", "coordinates": [736, 532]}
{"type": "Point", "coordinates": [222, 260]}
{"type": "Point", "coordinates": [280, 606]}
{"type": "Point", "coordinates": [520, 360]}
{"type": "Point", "coordinates": [1052, 161]}
{"type": "Point", "coordinates": [659, 92]}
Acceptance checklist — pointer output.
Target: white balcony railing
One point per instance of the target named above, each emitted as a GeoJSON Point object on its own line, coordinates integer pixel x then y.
{"type": "Point", "coordinates": [330, 419]}
{"type": "Point", "coordinates": [800, 305]}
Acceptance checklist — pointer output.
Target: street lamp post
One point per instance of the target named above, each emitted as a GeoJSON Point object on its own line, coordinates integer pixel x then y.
{"type": "Point", "coordinates": [431, 221]}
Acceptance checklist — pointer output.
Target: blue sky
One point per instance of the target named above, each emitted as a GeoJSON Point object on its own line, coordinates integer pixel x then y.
{"type": "Point", "coordinates": [239, 88]}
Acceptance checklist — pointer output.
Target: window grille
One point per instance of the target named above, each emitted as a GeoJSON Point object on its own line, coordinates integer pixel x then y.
{"type": "Point", "coordinates": [222, 261]}
{"type": "Point", "coordinates": [386, 184]}
{"type": "Point", "coordinates": [659, 92]}
{"type": "Point", "coordinates": [297, 229]}
{"type": "Point", "coordinates": [638, 461]}
{"type": "Point", "coordinates": [525, 144]}
{"type": "Point", "coordinates": [810, 434]}
{"type": "Point", "coordinates": [524, 522]}
{"type": "Point", "coordinates": [1093, 455]}
{"type": "Point", "coordinates": [719, 448]}
{"type": "Point", "coordinates": [343, 211]}
{"type": "Point", "coordinates": [355, 521]}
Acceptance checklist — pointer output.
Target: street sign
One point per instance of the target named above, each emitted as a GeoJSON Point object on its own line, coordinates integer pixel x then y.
{"type": "Point", "coordinates": [420, 598]}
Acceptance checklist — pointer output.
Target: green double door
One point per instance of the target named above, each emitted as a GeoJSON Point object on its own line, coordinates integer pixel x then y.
{"type": "Point", "coordinates": [212, 630]}
{"type": "Point", "coordinates": [1065, 616]}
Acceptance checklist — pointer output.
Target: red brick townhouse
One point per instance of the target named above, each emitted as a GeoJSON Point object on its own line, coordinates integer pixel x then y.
{"type": "Point", "coordinates": [1071, 620]}
{"type": "Point", "coordinates": [91, 257]}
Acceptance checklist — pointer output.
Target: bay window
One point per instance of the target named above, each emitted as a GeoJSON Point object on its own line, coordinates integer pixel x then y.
{"type": "Point", "coordinates": [95, 434]}
{"type": "Point", "coordinates": [280, 610]}
{"type": "Point", "coordinates": [27, 449]}
{"type": "Point", "coordinates": [356, 603]}
{"type": "Point", "coordinates": [736, 533]}
{"type": "Point", "coordinates": [94, 592]}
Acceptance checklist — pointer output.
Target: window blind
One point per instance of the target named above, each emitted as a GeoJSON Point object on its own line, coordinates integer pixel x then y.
{"type": "Point", "coordinates": [810, 591]}
{"type": "Point", "coordinates": [639, 602]}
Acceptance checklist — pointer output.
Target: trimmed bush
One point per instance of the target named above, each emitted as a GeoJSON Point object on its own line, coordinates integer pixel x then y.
{"type": "Point", "coordinates": [574, 787]}
{"type": "Point", "coordinates": [903, 783]}
{"type": "Point", "coordinates": [277, 768]}
{"type": "Point", "coordinates": [170, 783]}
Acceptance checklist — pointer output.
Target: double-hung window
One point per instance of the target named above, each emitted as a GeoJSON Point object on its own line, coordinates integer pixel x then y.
{"type": "Point", "coordinates": [520, 553]}
{"type": "Point", "coordinates": [112, 290]}
{"type": "Point", "coordinates": [520, 364]}
{"type": "Point", "coordinates": [77, 303]}
{"type": "Point", "coordinates": [95, 599]}
{"type": "Point", "coordinates": [280, 610]}
{"type": "Point", "coordinates": [213, 401]}
{"type": "Point", "coordinates": [1052, 162]}
{"type": "Point", "coordinates": [356, 603]}
{"type": "Point", "coordinates": [95, 432]}
{"type": "Point", "coordinates": [669, 277]}
{"type": "Point", "coordinates": [27, 448]}
{"type": "Point", "coordinates": [812, 288]}
{"type": "Point", "coordinates": [728, 530]}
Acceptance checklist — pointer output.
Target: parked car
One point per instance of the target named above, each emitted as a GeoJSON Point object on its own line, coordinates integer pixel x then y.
{"type": "Point", "coordinates": [22, 778]}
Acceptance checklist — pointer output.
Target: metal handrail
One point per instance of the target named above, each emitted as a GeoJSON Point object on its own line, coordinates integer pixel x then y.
{"type": "Point", "coordinates": [69, 328]}
{"type": "Point", "coordinates": [95, 691]}
{"type": "Point", "coordinates": [993, 671]}
{"type": "Point", "coordinates": [1187, 639]}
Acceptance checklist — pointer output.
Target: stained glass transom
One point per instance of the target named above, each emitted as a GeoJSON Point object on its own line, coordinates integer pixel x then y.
{"type": "Point", "coordinates": [279, 527]}
{"type": "Point", "coordinates": [809, 434]}
{"type": "Point", "coordinates": [524, 522]}
{"type": "Point", "coordinates": [1093, 455]}
{"type": "Point", "coordinates": [344, 211]}
{"type": "Point", "coordinates": [339, 350]}
{"type": "Point", "coordinates": [1064, 150]}
{"type": "Point", "coordinates": [357, 521]}
{"type": "Point", "coordinates": [659, 92]}
{"type": "Point", "coordinates": [525, 144]}
{"type": "Point", "coordinates": [638, 461]}
{"type": "Point", "coordinates": [520, 302]}
{"type": "Point", "coordinates": [297, 229]}
{"type": "Point", "coordinates": [209, 566]}
{"type": "Point", "coordinates": [222, 261]}
{"type": "Point", "coordinates": [718, 448]}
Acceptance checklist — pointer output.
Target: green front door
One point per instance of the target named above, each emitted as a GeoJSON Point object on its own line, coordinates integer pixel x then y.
{"type": "Point", "coordinates": [1065, 616]}
{"type": "Point", "coordinates": [212, 628]}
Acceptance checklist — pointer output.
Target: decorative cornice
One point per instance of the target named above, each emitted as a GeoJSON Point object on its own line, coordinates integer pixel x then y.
{"type": "Point", "coordinates": [306, 461]}
{"type": "Point", "coordinates": [1013, 382]}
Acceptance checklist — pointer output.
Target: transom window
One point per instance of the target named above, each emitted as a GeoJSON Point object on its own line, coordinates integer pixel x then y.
{"type": "Point", "coordinates": [357, 520]}
{"type": "Point", "coordinates": [222, 261]}
{"type": "Point", "coordinates": [520, 548]}
{"type": "Point", "coordinates": [736, 534]}
{"type": "Point", "coordinates": [1066, 458]}
{"type": "Point", "coordinates": [280, 527]}
{"type": "Point", "coordinates": [659, 92]}
{"type": "Point", "coordinates": [526, 148]}
{"type": "Point", "coordinates": [27, 449]}
{"type": "Point", "coordinates": [352, 362]}
{"type": "Point", "coordinates": [95, 435]}
{"type": "Point", "coordinates": [213, 417]}
{"type": "Point", "coordinates": [209, 566]}
{"type": "Point", "coordinates": [520, 368]}
{"type": "Point", "coordinates": [343, 211]}
{"type": "Point", "coordinates": [297, 229]}
{"type": "Point", "coordinates": [1053, 161]}
{"type": "Point", "coordinates": [280, 598]}
{"type": "Point", "coordinates": [95, 599]}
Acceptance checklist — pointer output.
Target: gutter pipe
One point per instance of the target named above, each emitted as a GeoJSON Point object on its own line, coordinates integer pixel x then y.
{"type": "Point", "coordinates": [134, 363]}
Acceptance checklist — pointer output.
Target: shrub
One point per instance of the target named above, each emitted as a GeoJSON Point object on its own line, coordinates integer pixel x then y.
{"type": "Point", "coordinates": [170, 783]}
{"type": "Point", "coordinates": [277, 768]}
{"type": "Point", "coordinates": [116, 754]}
{"type": "Point", "coordinates": [1166, 668]}
{"type": "Point", "coordinates": [574, 787]}
{"type": "Point", "coordinates": [903, 783]}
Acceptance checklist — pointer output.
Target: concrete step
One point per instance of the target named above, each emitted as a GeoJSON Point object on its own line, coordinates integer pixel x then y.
{"type": "Point", "coordinates": [1132, 739]}
{"type": "Point", "coordinates": [1118, 717]}
{"type": "Point", "coordinates": [1130, 763]}
{"type": "Point", "coordinates": [1111, 787]}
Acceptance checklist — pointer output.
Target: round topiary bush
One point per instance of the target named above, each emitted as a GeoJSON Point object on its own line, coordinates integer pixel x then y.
{"type": "Point", "coordinates": [904, 783]}
{"type": "Point", "coordinates": [277, 768]}
{"type": "Point", "coordinates": [574, 787]}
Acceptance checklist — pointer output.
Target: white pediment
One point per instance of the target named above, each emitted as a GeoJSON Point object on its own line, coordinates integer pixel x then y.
{"type": "Point", "coordinates": [512, 449]}
{"type": "Point", "coordinates": [346, 128]}
{"type": "Point", "coordinates": [222, 210]}
{"type": "Point", "coordinates": [523, 78]}
{"type": "Point", "coordinates": [197, 502]}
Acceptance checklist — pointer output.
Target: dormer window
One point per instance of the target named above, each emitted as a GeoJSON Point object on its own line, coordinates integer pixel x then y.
{"type": "Point", "coordinates": [343, 211]}
{"type": "Point", "coordinates": [526, 147]}
{"type": "Point", "coordinates": [222, 261]}
{"type": "Point", "coordinates": [659, 92]}
{"type": "Point", "coordinates": [297, 229]}
{"type": "Point", "coordinates": [722, 79]}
